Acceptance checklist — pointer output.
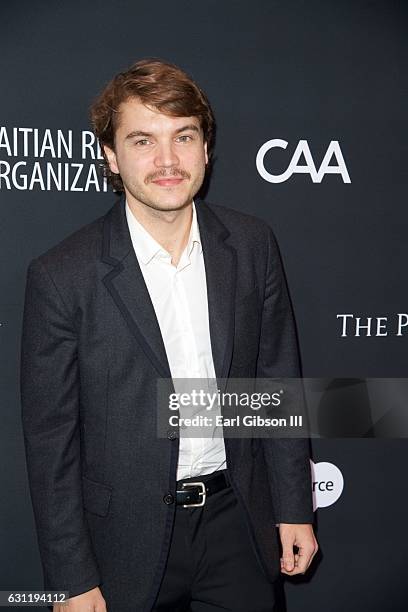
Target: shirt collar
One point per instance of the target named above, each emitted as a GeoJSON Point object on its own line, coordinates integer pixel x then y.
{"type": "Point", "coordinates": [147, 248]}
{"type": "Point", "coordinates": [194, 237]}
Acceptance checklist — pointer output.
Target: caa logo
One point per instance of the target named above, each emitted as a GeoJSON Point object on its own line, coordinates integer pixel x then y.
{"type": "Point", "coordinates": [294, 167]}
{"type": "Point", "coordinates": [327, 484]}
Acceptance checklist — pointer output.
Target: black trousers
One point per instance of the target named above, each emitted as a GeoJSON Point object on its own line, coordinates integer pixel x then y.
{"type": "Point", "coordinates": [211, 564]}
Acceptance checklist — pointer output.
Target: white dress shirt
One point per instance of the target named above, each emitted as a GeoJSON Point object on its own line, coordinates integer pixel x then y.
{"type": "Point", "coordinates": [179, 297]}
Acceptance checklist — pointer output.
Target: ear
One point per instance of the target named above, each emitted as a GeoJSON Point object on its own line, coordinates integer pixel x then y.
{"type": "Point", "coordinates": [205, 153]}
{"type": "Point", "coordinates": [111, 156]}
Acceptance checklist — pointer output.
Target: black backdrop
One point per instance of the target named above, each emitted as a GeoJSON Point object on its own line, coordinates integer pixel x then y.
{"type": "Point", "coordinates": [314, 71]}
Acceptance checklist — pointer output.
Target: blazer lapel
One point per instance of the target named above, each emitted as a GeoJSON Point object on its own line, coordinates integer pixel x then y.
{"type": "Point", "coordinates": [220, 269]}
{"type": "Point", "coordinates": [128, 289]}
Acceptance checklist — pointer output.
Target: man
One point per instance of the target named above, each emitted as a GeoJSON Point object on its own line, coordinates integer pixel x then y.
{"type": "Point", "coordinates": [162, 286]}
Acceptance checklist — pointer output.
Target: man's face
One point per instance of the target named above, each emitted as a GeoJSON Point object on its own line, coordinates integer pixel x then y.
{"type": "Point", "coordinates": [161, 159]}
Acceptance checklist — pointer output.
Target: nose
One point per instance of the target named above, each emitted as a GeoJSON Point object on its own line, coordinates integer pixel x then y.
{"type": "Point", "coordinates": [166, 156]}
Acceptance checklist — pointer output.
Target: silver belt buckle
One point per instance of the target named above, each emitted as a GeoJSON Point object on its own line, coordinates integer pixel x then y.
{"type": "Point", "coordinates": [202, 493]}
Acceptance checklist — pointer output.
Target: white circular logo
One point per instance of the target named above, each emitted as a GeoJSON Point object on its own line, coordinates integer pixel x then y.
{"type": "Point", "coordinates": [327, 484]}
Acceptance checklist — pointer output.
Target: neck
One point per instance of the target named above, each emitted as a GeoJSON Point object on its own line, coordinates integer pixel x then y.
{"type": "Point", "coordinates": [170, 229]}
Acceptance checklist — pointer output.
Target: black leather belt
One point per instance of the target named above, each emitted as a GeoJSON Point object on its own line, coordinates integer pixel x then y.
{"type": "Point", "coordinates": [193, 494]}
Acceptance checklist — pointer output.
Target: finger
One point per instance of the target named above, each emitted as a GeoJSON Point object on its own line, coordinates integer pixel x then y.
{"type": "Point", "coordinates": [302, 563]}
{"type": "Point", "coordinates": [295, 566]}
{"type": "Point", "coordinates": [304, 559]}
{"type": "Point", "coordinates": [314, 551]}
{"type": "Point", "coordinates": [288, 553]}
{"type": "Point", "coordinates": [296, 570]}
{"type": "Point", "coordinates": [288, 558]}
{"type": "Point", "coordinates": [288, 562]}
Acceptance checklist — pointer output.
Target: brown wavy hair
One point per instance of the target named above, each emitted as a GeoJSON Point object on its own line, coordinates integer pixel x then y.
{"type": "Point", "coordinates": [156, 83]}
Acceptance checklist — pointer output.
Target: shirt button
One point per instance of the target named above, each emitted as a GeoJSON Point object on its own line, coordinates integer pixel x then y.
{"type": "Point", "coordinates": [168, 499]}
{"type": "Point", "coordinates": [172, 435]}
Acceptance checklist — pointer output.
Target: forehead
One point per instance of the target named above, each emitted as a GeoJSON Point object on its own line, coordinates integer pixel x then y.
{"type": "Point", "coordinates": [135, 115]}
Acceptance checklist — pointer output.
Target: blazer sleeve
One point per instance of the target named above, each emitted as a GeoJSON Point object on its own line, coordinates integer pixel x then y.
{"type": "Point", "coordinates": [288, 459]}
{"type": "Point", "coordinates": [50, 417]}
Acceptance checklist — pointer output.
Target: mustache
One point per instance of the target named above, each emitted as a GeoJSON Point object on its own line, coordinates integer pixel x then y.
{"type": "Point", "coordinates": [167, 174]}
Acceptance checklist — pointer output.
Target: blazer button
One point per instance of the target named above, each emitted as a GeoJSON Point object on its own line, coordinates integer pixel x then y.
{"type": "Point", "coordinates": [168, 499]}
{"type": "Point", "coordinates": [172, 435]}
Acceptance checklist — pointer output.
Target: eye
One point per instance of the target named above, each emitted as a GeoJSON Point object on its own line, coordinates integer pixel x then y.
{"type": "Point", "coordinates": [184, 138]}
{"type": "Point", "coordinates": [143, 142]}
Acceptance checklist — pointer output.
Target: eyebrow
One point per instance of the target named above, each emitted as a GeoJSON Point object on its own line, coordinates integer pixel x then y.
{"type": "Point", "coordinates": [138, 133]}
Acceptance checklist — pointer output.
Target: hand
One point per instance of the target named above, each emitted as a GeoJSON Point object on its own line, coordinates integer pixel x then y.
{"type": "Point", "coordinates": [301, 536]}
{"type": "Point", "coordinates": [91, 601]}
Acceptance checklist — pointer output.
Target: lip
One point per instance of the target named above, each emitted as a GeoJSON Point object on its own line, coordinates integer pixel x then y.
{"type": "Point", "coordinates": [168, 182]}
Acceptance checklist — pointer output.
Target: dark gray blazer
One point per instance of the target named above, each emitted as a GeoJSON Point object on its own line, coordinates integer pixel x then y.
{"type": "Point", "coordinates": [91, 355]}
